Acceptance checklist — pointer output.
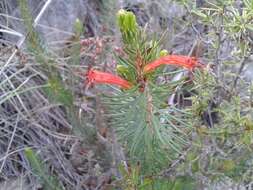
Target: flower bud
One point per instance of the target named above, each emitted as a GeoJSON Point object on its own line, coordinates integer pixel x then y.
{"type": "Point", "coordinates": [78, 26]}
{"type": "Point", "coordinates": [122, 70]}
{"type": "Point", "coordinates": [163, 52]}
{"type": "Point", "coordinates": [98, 77]}
{"type": "Point", "coordinates": [127, 24]}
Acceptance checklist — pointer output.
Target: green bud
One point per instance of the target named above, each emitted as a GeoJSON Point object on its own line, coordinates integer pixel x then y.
{"type": "Point", "coordinates": [163, 52]}
{"type": "Point", "coordinates": [122, 70]}
{"type": "Point", "coordinates": [126, 20]}
{"type": "Point", "coordinates": [78, 26]}
{"type": "Point", "coordinates": [125, 72]}
{"type": "Point", "coordinates": [127, 24]}
{"type": "Point", "coordinates": [120, 18]}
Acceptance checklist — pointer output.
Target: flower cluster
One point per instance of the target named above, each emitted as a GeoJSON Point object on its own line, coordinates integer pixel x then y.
{"type": "Point", "coordinates": [98, 77]}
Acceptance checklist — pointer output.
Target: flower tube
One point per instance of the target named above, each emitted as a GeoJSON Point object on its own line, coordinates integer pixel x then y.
{"type": "Point", "coordinates": [98, 77]}
{"type": "Point", "coordinates": [178, 60]}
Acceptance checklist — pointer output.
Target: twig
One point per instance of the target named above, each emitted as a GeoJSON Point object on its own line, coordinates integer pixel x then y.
{"type": "Point", "coordinates": [217, 52]}
{"type": "Point", "coordinates": [242, 65]}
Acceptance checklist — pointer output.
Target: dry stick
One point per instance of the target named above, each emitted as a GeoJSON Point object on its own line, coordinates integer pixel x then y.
{"type": "Point", "coordinates": [217, 52]}
{"type": "Point", "coordinates": [242, 65]}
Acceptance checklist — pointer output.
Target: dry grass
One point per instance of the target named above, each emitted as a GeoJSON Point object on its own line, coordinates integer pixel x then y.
{"type": "Point", "coordinates": [29, 119]}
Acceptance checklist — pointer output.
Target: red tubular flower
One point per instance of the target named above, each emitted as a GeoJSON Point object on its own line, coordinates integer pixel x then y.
{"type": "Point", "coordinates": [94, 76]}
{"type": "Point", "coordinates": [178, 60]}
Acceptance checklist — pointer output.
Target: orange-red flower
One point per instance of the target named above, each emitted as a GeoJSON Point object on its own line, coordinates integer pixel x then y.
{"type": "Point", "coordinates": [94, 76]}
{"type": "Point", "coordinates": [178, 60]}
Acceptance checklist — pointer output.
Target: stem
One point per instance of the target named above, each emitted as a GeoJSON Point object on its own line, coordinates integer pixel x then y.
{"type": "Point", "coordinates": [217, 52]}
{"type": "Point", "coordinates": [149, 108]}
{"type": "Point", "coordinates": [242, 65]}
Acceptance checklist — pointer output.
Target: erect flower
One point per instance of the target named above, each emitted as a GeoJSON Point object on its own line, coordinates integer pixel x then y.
{"type": "Point", "coordinates": [94, 76]}
{"type": "Point", "coordinates": [178, 60]}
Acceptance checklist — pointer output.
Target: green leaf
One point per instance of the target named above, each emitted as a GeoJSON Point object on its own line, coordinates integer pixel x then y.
{"type": "Point", "coordinates": [199, 13]}
{"type": "Point", "coordinates": [34, 161]}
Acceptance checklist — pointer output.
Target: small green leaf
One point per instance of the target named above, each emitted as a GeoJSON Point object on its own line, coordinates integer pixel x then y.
{"type": "Point", "coordinates": [199, 13]}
